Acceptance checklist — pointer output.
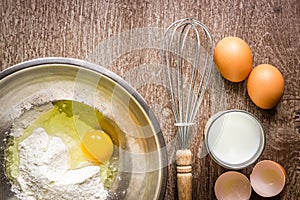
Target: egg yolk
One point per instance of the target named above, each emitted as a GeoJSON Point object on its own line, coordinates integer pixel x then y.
{"type": "Point", "coordinates": [97, 146]}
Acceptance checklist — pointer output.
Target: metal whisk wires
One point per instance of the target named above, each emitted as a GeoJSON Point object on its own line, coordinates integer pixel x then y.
{"type": "Point", "coordinates": [186, 51]}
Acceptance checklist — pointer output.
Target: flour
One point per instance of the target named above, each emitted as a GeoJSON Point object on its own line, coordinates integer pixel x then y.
{"type": "Point", "coordinates": [44, 172]}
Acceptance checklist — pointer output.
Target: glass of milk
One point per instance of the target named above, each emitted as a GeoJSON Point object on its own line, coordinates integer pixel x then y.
{"type": "Point", "coordinates": [234, 138]}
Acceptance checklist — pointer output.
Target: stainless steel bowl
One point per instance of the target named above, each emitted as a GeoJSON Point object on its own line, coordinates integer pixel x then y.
{"type": "Point", "coordinates": [142, 160]}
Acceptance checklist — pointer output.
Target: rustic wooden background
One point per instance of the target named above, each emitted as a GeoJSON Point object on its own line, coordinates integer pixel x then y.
{"type": "Point", "coordinates": [36, 28]}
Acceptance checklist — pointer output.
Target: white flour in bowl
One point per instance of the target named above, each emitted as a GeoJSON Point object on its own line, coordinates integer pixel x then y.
{"type": "Point", "coordinates": [44, 172]}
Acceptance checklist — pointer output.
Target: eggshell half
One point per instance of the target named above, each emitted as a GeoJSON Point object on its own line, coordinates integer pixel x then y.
{"type": "Point", "coordinates": [268, 178]}
{"type": "Point", "coordinates": [232, 185]}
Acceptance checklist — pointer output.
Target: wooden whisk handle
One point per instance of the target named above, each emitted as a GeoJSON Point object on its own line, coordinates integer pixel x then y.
{"type": "Point", "coordinates": [184, 174]}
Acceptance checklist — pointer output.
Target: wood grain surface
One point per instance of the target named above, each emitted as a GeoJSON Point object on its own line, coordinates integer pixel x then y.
{"type": "Point", "coordinates": [124, 36]}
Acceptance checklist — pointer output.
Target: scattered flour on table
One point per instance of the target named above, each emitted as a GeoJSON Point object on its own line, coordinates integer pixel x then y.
{"type": "Point", "coordinates": [44, 172]}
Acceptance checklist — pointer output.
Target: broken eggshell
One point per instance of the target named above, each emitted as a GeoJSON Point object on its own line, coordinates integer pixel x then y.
{"type": "Point", "coordinates": [232, 185]}
{"type": "Point", "coordinates": [268, 178]}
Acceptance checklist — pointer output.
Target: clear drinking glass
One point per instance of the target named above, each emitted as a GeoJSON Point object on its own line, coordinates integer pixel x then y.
{"type": "Point", "coordinates": [234, 138]}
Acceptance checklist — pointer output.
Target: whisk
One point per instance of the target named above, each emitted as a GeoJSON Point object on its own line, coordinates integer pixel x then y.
{"type": "Point", "coordinates": [187, 56]}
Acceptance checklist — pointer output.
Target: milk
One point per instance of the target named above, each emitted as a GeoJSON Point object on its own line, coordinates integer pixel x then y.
{"type": "Point", "coordinates": [234, 138]}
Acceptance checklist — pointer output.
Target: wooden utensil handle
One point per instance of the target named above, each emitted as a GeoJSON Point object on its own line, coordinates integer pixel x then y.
{"type": "Point", "coordinates": [184, 174]}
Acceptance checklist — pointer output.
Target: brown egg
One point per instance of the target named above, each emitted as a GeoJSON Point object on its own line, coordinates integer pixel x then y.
{"type": "Point", "coordinates": [265, 86]}
{"type": "Point", "coordinates": [233, 58]}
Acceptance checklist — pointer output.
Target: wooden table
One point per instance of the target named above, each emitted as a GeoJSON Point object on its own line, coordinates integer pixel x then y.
{"type": "Point", "coordinates": [108, 32]}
